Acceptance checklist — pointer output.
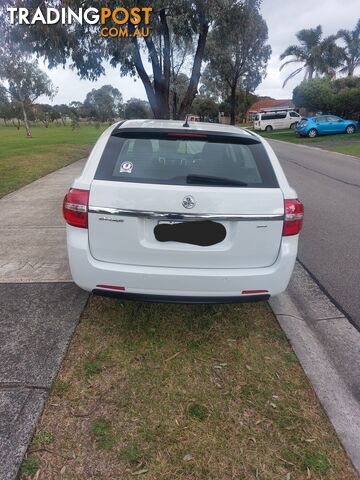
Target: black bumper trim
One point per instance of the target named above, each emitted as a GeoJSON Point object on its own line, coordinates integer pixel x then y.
{"type": "Point", "coordinates": [179, 299]}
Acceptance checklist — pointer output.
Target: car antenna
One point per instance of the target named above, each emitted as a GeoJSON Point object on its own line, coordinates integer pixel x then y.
{"type": "Point", "coordinates": [186, 124]}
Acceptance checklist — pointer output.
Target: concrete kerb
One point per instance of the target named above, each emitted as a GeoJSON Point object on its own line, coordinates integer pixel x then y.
{"type": "Point", "coordinates": [328, 348]}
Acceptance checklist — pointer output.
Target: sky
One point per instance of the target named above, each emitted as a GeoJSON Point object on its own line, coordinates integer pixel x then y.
{"type": "Point", "coordinates": [284, 18]}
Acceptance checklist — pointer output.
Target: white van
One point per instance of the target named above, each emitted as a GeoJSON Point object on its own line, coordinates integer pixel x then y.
{"type": "Point", "coordinates": [269, 121]}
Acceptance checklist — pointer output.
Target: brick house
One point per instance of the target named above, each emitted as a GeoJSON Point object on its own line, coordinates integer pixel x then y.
{"type": "Point", "coordinates": [261, 105]}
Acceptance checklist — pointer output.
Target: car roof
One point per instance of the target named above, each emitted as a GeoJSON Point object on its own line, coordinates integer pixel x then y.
{"type": "Point", "coordinates": [179, 125]}
{"type": "Point", "coordinates": [324, 115]}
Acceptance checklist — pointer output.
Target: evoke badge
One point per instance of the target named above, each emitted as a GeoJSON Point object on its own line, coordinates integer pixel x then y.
{"type": "Point", "coordinates": [106, 219]}
{"type": "Point", "coordinates": [189, 202]}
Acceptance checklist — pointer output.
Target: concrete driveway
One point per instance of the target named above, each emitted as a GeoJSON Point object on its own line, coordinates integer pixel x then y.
{"type": "Point", "coordinates": [32, 241]}
{"type": "Point", "coordinates": [39, 307]}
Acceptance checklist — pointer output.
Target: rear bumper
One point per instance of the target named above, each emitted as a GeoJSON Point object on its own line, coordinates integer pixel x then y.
{"type": "Point", "coordinates": [302, 131]}
{"type": "Point", "coordinates": [178, 285]}
{"type": "Point", "coordinates": [180, 299]}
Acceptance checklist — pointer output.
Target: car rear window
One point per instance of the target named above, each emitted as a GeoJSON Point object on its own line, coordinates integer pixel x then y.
{"type": "Point", "coordinates": [180, 159]}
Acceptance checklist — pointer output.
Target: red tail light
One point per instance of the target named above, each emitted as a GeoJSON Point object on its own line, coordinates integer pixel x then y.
{"type": "Point", "coordinates": [294, 216]}
{"type": "Point", "coordinates": [75, 207]}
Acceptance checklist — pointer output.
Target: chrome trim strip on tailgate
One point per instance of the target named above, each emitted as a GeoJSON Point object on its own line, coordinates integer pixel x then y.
{"type": "Point", "coordinates": [184, 216]}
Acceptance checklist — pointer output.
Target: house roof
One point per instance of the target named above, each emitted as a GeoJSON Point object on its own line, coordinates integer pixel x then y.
{"type": "Point", "coordinates": [261, 104]}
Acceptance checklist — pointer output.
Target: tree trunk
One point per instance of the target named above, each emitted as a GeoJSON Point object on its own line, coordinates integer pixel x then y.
{"type": "Point", "coordinates": [233, 105]}
{"type": "Point", "coordinates": [26, 122]}
{"type": "Point", "coordinates": [167, 63]}
{"type": "Point", "coordinates": [195, 75]}
{"type": "Point", "coordinates": [174, 109]}
{"type": "Point", "coordinates": [310, 73]}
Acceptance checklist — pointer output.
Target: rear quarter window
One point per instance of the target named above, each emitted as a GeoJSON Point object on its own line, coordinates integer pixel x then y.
{"type": "Point", "coordinates": [156, 158]}
{"type": "Point", "coordinates": [274, 116]}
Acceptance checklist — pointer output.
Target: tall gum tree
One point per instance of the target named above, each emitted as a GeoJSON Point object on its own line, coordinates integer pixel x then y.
{"type": "Point", "coordinates": [87, 51]}
{"type": "Point", "coordinates": [237, 51]}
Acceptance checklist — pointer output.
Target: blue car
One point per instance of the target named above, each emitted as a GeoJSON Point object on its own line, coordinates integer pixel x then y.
{"type": "Point", "coordinates": [325, 125]}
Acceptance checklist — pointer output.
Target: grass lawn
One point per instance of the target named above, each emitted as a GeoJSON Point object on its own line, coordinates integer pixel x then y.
{"type": "Point", "coordinates": [348, 149]}
{"type": "Point", "coordinates": [290, 136]}
{"type": "Point", "coordinates": [23, 160]}
{"type": "Point", "coordinates": [183, 393]}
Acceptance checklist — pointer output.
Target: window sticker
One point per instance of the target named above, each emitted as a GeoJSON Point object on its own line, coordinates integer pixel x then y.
{"type": "Point", "coordinates": [126, 167]}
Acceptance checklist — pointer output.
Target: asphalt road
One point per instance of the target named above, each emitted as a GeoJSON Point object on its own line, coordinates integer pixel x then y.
{"type": "Point", "coordinates": [329, 186]}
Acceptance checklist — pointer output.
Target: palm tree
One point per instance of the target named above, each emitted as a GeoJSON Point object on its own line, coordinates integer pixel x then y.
{"type": "Point", "coordinates": [317, 55]}
{"type": "Point", "coordinates": [352, 49]}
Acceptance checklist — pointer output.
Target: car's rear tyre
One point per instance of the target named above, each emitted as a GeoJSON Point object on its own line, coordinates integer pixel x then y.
{"type": "Point", "coordinates": [268, 128]}
{"type": "Point", "coordinates": [350, 129]}
{"type": "Point", "coordinates": [313, 133]}
{"type": "Point", "coordinates": [294, 125]}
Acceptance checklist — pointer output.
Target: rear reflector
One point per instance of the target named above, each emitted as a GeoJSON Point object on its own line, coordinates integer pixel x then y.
{"type": "Point", "coordinates": [253, 292]}
{"type": "Point", "coordinates": [111, 287]}
{"type": "Point", "coordinates": [294, 217]}
{"type": "Point", "coordinates": [75, 207]}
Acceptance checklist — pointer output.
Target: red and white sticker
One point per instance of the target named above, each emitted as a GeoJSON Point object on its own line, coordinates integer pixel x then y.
{"type": "Point", "coordinates": [126, 167]}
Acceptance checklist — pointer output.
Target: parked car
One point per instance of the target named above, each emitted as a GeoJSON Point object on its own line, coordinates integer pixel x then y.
{"type": "Point", "coordinates": [270, 121]}
{"type": "Point", "coordinates": [186, 214]}
{"type": "Point", "coordinates": [325, 125]}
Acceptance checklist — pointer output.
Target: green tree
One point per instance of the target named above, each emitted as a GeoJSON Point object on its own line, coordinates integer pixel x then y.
{"type": "Point", "coordinates": [347, 103]}
{"type": "Point", "coordinates": [178, 87]}
{"type": "Point", "coordinates": [317, 55]}
{"type": "Point", "coordinates": [44, 113]}
{"type": "Point", "coordinates": [5, 105]}
{"type": "Point", "coordinates": [170, 20]}
{"type": "Point", "coordinates": [340, 97]}
{"type": "Point", "coordinates": [137, 108]}
{"type": "Point", "coordinates": [243, 102]}
{"type": "Point", "coordinates": [315, 95]}
{"type": "Point", "coordinates": [63, 112]}
{"type": "Point", "coordinates": [104, 103]}
{"type": "Point", "coordinates": [212, 86]}
{"type": "Point", "coordinates": [205, 107]}
{"type": "Point", "coordinates": [351, 38]}
{"type": "Point", "coordinates": [237, 51]}
{"type": "Point", "coordinates": [25, 83]}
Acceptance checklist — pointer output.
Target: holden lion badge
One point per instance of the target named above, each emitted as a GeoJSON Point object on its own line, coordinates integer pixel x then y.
{"type": "Point", "coordinates": [189, 202]}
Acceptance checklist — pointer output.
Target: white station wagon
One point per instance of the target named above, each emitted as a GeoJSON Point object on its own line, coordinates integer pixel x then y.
{"type": "Point", "coordinates": [167, 212]}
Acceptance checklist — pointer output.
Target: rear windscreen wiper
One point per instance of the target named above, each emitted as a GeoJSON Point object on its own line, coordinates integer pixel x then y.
{"type": "Point", "coordinates": [209, 180]}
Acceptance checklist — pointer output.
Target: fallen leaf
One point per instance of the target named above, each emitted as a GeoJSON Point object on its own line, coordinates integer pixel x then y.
{"type": "Point", "coordinates": [188, 457]}
{"type": "Point", "coordinates": [286, 461]}
{"type": "Point", "coordinates": [220, 366]}
{"type": "Point", "coordinates": [173, 356]}
{"type": "Point", "coordinates": [248, 367]}
{"type": "Point", "coordinates": [62, 471]}
{"type": "Point", "coordinates": [140, 472]}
